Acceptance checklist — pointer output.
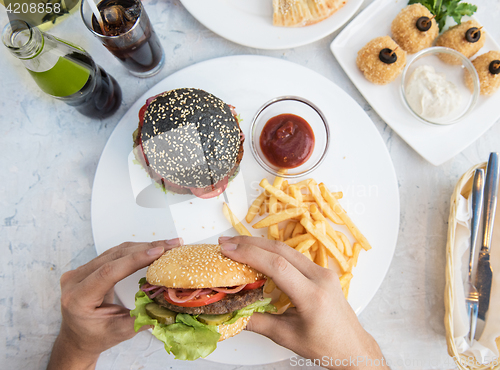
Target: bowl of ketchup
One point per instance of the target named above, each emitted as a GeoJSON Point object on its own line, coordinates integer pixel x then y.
{"type": "Point", "coordinates": [289, 136]}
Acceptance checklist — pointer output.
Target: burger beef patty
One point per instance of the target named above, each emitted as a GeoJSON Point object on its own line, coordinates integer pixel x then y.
{"type": "Point", "coordinates": [230, 303]}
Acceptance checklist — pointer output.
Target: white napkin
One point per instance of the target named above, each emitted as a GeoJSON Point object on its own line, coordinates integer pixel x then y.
{"type": "Point", "coordinates": [194, 219]}
{"type": "Point", "coordinates": [484, 350]}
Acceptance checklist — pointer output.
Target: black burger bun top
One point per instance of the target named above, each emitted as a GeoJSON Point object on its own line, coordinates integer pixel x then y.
{"type": "Point", "coordinates": [190, 137]}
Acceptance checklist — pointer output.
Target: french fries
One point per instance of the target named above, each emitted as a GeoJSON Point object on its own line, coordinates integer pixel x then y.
{"type": "Point", "coordinates": [312, 252]}
{"type": "Point", "coordinates": [332, 233]}
{"type": "Point", "coordinates": [255, 207]}
{"type": "Point", "coordinates": [306, 198]}
{"type": "Point", "coordinates": [240, 228]}
{"type": "Point", "coordinates": [303, 184]}
{"type": "Point", "coordinates": [345, 290]}
{"type": "Point", "coordinates": [273, 204]}
{"type": "Point", "coordinates": [269, 236]}
{"type": "Point", "coordinates": [281, 235]}
{"type": "Point", "coordinates": [278, 193]}
{"type": "Point", "coordinates": [298, 230]}
{"type": "Point", "coordinates": [322, 238]}
{"type": "Point", "coordinates": [308, 255]}
{"type": "Point", "coordinates": [298, 239]}
{"type": "Point", "coordinates": [289, 230]}
{"type": "Point", "coordinates": [338, 194]}
{"type": "Point", "coordinates": [305, 245]}
{"type": "Point", "coordinates": [301, 216]}
{"type": "Point", "coordinates": [263, 208]}
{"type": "Point", "coordinates": [337, 208]}
{"type": "Point", "coordinates": [296, 193]}
{"type": "Point", "coordinates": [346, 243]}
{"type": "Point", "coordinates": [345, 278]}
{"type": "Point", "coordinates": [274, 231]}
{"type": "Point", "coordinates": [278, 182]}
{"type": "Point", "coordinates": [353, 261]}
{"type": "Point", "coordinates": [321, 257]}
{"type": "Point", "coordinates": [274, 207]}
{"type": "Point", "coordinates": [274, 219]}
{"type": "Point", "coordinates": [273, 228]}
{"type": "Point", "coordinates": [345, 281]}
{"type": "Point", "coordinates": [313, 188]}
{"type": "Point", "coordinates": [321, 226]}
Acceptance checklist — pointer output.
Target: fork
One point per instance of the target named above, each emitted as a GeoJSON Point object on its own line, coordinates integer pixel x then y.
{"type": "Point", "coordinates": [471, 294]}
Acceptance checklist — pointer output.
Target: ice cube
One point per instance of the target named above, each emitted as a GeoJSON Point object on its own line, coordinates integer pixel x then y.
{"type": "Point", "coordinates": [133, 12]}
{"type": "Point", "coordinates": [114, 15]}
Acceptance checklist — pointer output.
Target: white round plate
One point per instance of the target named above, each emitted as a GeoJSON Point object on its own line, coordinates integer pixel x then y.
{"type": "Point", "coordinates": [358, 164]}
{"type": "Point", "coordinates": [250, 23]}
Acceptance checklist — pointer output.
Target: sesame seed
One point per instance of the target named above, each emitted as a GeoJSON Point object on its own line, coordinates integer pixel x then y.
{"type": "Point", "coordinates": [196, 266]}
{"type": "Point", "coordinates": [186, 153]}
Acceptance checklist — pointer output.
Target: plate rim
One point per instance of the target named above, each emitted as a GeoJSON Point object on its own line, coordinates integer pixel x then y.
{"type": "Point", "coordinates": [289, 44]}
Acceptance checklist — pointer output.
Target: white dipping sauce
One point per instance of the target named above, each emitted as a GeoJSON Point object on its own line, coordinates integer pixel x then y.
{"type": "Point", "coordinates": [430, 94]}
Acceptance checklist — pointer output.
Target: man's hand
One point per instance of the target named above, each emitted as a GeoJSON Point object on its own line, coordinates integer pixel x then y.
{"type": "Point", "coordinates": [322, 323]}
{"type": "Point", "coordinates": [91, 323]}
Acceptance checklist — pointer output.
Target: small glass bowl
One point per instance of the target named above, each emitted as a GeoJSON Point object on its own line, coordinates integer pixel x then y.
{"type": "Point", "coordinates": [302, 108]}
{"type": "Point", "coordinates": [454, 73]}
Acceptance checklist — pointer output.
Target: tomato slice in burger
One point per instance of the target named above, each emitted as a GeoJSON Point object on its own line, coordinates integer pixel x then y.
{"type": "Point", "coordinates": [255, 285]}
{"type": "Point", "coordinates": [197, 302]}
{"type": "Point", "coordinates": [142, 112]}
{"type": "Point", "coordinates": [211, 191]}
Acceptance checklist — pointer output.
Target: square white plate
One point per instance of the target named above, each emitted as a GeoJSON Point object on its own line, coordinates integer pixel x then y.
{"type": "Point", "coordinates": [437, 144]}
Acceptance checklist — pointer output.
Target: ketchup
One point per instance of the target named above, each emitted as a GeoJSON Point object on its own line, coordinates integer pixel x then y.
{"type": "Point", "coordinates": [287, 140]}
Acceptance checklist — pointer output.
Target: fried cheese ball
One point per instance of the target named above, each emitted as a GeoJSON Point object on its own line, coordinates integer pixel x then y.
{"type": "Point", "coordinates": [457, 38]}
{"type": "Point", "coordinates": [485, 64]}
{"type": "Point", "coordinates": [406, 32]}
{"type": "Point", "coordinates": [370, 63]}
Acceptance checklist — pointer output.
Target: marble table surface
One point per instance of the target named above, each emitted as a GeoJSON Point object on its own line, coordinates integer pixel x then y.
{"type": "Point", "coordinates": [49, 155]}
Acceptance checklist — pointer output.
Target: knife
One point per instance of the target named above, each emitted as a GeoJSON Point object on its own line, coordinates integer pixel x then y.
{"type": "Point", "coordinates": [484, 274]}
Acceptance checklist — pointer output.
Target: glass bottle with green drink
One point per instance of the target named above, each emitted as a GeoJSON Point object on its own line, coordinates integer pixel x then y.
{"type": "Point", "coordinates": [63, 70]}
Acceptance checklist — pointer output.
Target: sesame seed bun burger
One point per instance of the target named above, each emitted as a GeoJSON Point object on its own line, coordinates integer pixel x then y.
{"type": "Point", "coordinates": [189, 141]}
{"type": "Point", "coordinates": [194, 296]}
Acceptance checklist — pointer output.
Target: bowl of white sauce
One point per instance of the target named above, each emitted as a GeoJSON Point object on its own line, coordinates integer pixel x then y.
{"type": "Point", "coordinates": [434, 91]}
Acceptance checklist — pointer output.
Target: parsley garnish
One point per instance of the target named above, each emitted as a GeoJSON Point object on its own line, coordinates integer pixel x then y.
{"type": "Point", "coordinates": [443, 8]}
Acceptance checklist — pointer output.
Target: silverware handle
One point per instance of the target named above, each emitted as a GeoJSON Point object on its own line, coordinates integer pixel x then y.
{"type": "Point", "coordinates": [477, 206]}
{"type": "Point", "coordinates": [490, 196]}
{"type": "Point", "coordinates": [472, 312]}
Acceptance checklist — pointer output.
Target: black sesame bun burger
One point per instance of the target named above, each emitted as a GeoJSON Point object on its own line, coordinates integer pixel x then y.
{"type": "Point", "coordinates": [194, 296]}
{"type": "Point", "coordinates": [189, 141]}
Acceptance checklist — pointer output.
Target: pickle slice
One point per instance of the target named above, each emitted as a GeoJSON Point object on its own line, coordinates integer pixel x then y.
{"type": "Point", "coordinates": [162, 314]}
{"type": "Point", "coordinates": [214, 319]}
